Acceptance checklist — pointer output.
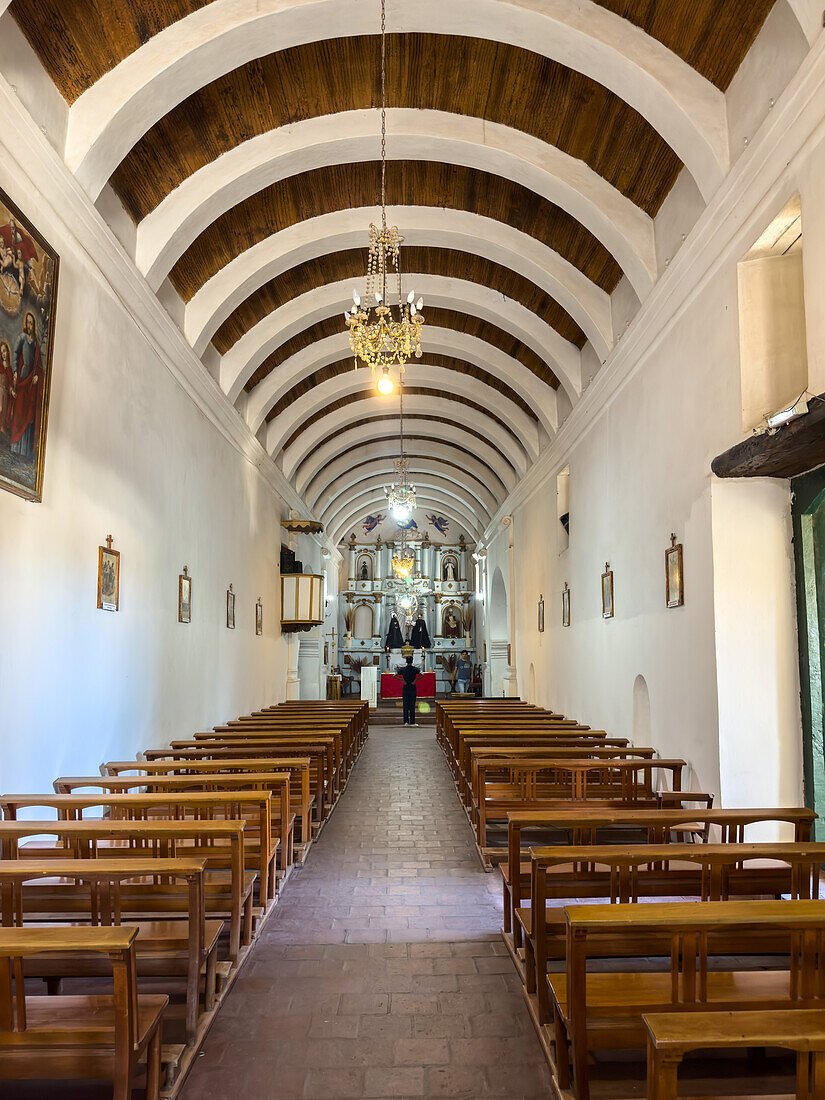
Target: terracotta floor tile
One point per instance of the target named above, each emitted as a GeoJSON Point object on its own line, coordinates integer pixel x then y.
{"type": "Point", "coordinates": [381, 973]}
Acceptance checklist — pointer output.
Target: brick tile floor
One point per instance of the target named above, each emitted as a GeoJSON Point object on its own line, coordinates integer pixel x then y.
{"type": "Point", "coordinates": [381, 972]}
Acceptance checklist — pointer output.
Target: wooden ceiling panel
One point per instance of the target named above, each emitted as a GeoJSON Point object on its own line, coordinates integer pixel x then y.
{"type": "Point", "coordinates": [713, 37]}
{"type": "Point", "coordinates": [80, 40]}
{"type": "Point", "coordinates": [499, 83]}
{"type": "Point", "coordinates": [409, 183]}
{"type": "Point", "coordinates": [344, 366]}
{"type": "Point", "coordinates": [334, 326]}
{"type": "Point", "coordinates": [352, 263]}
{"type": "Point", "coordinates": [423, 391]}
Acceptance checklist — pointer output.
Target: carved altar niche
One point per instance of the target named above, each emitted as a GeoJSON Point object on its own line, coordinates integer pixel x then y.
{"type": "Point", "coordinates": [451, 624]}
{"type": "Point", "coordinates": [450, 568]}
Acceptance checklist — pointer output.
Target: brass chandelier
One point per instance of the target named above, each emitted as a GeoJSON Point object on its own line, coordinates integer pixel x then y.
{"type": "Point", "coordinates": [383, 335]}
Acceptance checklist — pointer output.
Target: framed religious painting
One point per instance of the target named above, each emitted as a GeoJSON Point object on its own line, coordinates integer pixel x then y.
{"type": "Point", "coordinates": [565, 605]}
{"type": "Point", "coordinates": [541, 615]}
{"type": "Point", "coordinates": [184, 596]}
{"type": "Point", "coordinates": [230, 608]}
{"type": "Point", "coordinates": [28, 293]}
{"type": "Point", "coordinates": [108, 577]}
{"type": "Point", "coordinates": [607, 592]}
{"type": "Point", "coordinates": [259, 617]}
{"type": "Point", "coordinates": [674, 574]}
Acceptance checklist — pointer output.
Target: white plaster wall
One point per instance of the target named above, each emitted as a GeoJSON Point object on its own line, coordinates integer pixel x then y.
{"type": "Point", "coordinates": [722, 671]}
{"type": "Point", "coordinates": [755, 631]}
{"type": "Point", "coordinates": [128, 453]}
{"type": "Point", "coordinates": [21, 67]}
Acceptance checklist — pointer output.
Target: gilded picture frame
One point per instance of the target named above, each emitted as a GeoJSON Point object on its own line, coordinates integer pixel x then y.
{"type": "Point", "coordinates": [184, 596]}
{"type": "Point", "coordinates": [230, 608]}
{"type": "Point", "coordinates": [541, 615]}
{"type": "Point", "coordinates": [29, 269]}
{"type": "Point", "coordinates": [674, 574]}
{"type": "Point", "coordinates": [259, 617]}
{"type": "Point", "coordinates": [108, 577]}
{"type": "Point", "coordinates": [607, 592]}
{"type": "Point", "coordinates": [565, 606]}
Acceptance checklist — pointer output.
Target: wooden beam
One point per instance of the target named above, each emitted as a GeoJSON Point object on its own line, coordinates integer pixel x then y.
{"type": "Point", "coordinates": [791, 450]}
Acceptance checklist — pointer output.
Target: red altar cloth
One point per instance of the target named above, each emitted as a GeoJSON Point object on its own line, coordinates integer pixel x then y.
{"type": "Point", "coordinates": [391, 686]}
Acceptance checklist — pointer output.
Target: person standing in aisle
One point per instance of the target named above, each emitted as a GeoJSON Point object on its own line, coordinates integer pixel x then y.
{"type": "Point", "coordinates": [409, 674]}
{"type": "Point", "coordinates": [464, 672]}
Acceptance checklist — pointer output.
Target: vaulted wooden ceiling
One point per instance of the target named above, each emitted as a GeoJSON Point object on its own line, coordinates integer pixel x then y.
{"type": "Point", "coordinates": [480, 78]}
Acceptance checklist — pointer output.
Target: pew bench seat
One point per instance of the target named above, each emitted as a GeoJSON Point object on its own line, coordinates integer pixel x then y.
{"type": "Point", "coordinates": [672, 1035]}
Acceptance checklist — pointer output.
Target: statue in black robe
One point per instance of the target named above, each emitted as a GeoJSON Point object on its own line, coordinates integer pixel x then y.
{"type": "Point", "coordinates": [420, 638]}
{"type": "Point", "coordinates": [395, 638]}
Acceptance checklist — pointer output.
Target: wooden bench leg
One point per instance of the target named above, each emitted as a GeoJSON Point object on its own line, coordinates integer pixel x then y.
{"type": "Point", "coordinates": [562, 1050]}
{"type": "Point", "coordinates": [810, 1076]}
{"type": "Point", "coordinates": [247, 920]}
{"type": "Point", "coordinates": [210, 980]}
{"type": "Point", "coordinates": [508, 924]}
{"type": "Point", "coordinates": [153, 1064]}
{"type": "Point", "coordinates": [662, 1073]}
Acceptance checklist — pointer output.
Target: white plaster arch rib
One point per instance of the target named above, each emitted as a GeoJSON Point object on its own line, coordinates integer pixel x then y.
{"type": "Point", "coordinates": [450, 508]}
{"type": "Point", "coordinates": [247, 354]}
{"type": "Point", "coordinates": [422, 469]}
{"type": "Point", "coordinates": [461, 230]}
{"type": "Point", "coordinates": [449, 382]}
{"type": "Point", "coordinates": [467, 298]}
{"type": "Point", "coordinates": [809, 16]}
{"type": "Point", "coordinates": [385, 450]}
{"type": "Point", "coordinates": [439, 487]}
{"type": "Point", "coordinates": [108, 119]}
{"type": "Point", "coordinates": [624, 229]}
{"type": "Point", "coordinates": [370, 435]}
{"type": "Point", "coordinates": [415, 405]}
{"type": "Point", "coordinates": [443, 341]}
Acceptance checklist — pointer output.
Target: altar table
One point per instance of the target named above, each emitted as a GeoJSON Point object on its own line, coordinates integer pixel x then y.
{"type": "Point", "coordinates": [391, 686]}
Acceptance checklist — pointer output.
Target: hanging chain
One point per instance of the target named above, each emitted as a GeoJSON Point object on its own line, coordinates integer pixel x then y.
{"type": "Point", "coordinates": [401, 395]}
{"type": "Point", "coordinates": [383, 116]}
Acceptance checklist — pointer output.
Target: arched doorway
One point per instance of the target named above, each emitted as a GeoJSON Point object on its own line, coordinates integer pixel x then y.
{"type": "Point", "coordinates": [499, 634]}
{"type": "Point", "coordinates": [641, 712]}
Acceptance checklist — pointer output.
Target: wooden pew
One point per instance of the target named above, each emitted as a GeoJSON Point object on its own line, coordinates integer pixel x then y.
{"type": "Point", "coordinates": [540, 783]}
{"type": "Point", "coordinates": [204, 805]}
{"type": "Point", "coordinates": [143, 840]}
{"type": "Point", "coordinates": [605, 1010]}
{"type": "Point", "coordinates": [268, 748]}
{"type": "Point", "coordinates": [709, 872]}
{"type": "Point", "coordinates": [672, 1035]}
{"type": "Point", "coordinates": [301, 796]}
{"type": "Point", "coordinates": [78, 1036]}
{"type": "Point", "coordinates": [115, 890]}
{"type": "Point", "coordinates": [472, 753]}
{"type": "Point", "coordinates": [516, 731]}
{"type": "Point", "coordinates": [277, 783]}
{"type": "Point", "coordinates": [588, 825]}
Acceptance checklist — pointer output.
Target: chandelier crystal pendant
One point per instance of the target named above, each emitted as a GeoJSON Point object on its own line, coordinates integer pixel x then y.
{"type": "Point", "coordinates": [380, 334]}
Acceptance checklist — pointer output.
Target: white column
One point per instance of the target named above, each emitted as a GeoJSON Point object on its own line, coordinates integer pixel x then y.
{"type": "Point", "coordinates": [309, 666]}
{"type": "Point", "coordinates": [293, 679]}
{"type": "Point", "coordinates": [511, 677]}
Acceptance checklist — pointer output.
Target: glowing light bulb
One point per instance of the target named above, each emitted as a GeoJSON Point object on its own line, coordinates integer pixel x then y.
{"type": "Point", "coordinates": [355, 298]}
{"type": "Point", "coordinates": [378, 297]}
{"type": "Point", "coordinates": [401, 512]}
{"type": "Point", "coordinates": [385, 384]}
{"type": "Point", "coordinates": [419, 304]}
{"type": "Point", "coordinates": [411, 297]}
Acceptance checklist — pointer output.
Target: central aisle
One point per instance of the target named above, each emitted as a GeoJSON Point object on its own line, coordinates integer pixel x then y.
{"type": "Point", "coordinates": [381, 972]}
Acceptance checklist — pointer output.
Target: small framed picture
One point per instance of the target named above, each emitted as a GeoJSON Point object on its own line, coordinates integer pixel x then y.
{"type": "Point", "coordinates": [230, 608]}
{"type": "Point", "coordinates": [565, 606]}
{"type": "Point", "coordinates": [259, 617]}
{"type": "Point", "coordinates": [541, 614]}
{"type": "Point", "coordinates": [607, 592]}
{"type": "Point", "coordinates": [108, 577]}
{"type": "Point", "coordinates": [326, 653]}
{"type": "Point", "coordinates": [674, 574]}
{"type": "Point", "coordinates": [184, 596]}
